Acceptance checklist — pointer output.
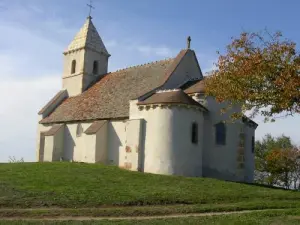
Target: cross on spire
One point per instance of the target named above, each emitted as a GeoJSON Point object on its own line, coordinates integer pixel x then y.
{"type": "Point", "coordinates": [189, 42]}
{"type": "Point", "coordinates": [91, 7]}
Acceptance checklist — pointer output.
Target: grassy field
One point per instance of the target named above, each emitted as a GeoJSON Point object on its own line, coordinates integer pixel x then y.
{"type": "Point", "coordinates": [271, 217]}
{"type": "Point", "coordinates": [72, 185]}
{"type": "Point", "coordinates": [56, 190]}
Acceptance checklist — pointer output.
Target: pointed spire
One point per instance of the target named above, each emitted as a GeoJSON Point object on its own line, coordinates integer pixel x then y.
{"type": "Point", "coordinates": [87, 37]}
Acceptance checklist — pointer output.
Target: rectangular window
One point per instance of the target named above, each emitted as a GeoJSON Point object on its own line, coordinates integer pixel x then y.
{"type": "Point", "coordinates": [220, 133]}
{"type": "Point", "coordinates": [195, 133]}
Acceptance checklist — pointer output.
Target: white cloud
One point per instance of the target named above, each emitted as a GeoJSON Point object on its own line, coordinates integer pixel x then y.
{"type": "Point", "coordinates": [30, 76]}
{"type": "Point", "coordinates": [148, 50]}
{"type": "Point", "coordinates": [21, 100]}
{"type": "Point", "coordinates": [111, 43]}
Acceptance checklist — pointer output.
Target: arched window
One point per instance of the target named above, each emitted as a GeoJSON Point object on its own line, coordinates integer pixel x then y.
{"type": "Point", "coordinates": [73, 69]}
{"type": "Point", "coordinates": [220, 133]}
{"type": "Point", "coordinates": [79, 130]}
{"type": "Point", "coordinates": [95, 67]}
{"type": "Point", "coordinates": [194, 133]}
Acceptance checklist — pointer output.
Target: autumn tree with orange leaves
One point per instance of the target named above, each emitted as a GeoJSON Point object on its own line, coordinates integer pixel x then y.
{"type": "Point", "coordinates": [259, 71]}
{"type": "Point", "coordinates": [277, 162]}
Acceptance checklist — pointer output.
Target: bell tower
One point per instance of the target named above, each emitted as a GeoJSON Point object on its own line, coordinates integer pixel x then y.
{"type": "Point", "coordinates": [85, 59]}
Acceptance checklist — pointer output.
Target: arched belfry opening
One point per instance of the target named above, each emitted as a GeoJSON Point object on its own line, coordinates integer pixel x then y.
{"type": "Point", "coordinates": [86, 57]}
{"type": "Point", "coordinates": [95, 67]}
{"type": "Point", "coordinates": [73, 69]}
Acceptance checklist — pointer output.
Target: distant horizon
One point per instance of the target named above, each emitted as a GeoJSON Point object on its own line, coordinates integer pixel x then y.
{"type": "Point", "coordinates": [35, 33]}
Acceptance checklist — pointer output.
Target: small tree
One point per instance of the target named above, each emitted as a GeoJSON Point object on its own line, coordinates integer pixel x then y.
{"type": "Point", "coordinates": [260, 71]}
{"type": "Point", "coordinates": [282, 164]}
{"type": "Point", "coordinates": [12, 159]}
{"type": "Point", "coordinates": [277, 161]}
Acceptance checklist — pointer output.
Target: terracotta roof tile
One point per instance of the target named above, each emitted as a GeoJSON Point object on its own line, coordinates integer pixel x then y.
{"type": "Point", "coordinates": [198, 87]}
{"type": "Point", "coordinates": [109, 97]}
{"type": "Point", "coordinates": [171, 97]}
{"type": "Point", "coordinates": [53, 130]}
{"type": "Point", "coordinates": [54, 99]}
{"type": "Point", "coordinates": [96, 125]}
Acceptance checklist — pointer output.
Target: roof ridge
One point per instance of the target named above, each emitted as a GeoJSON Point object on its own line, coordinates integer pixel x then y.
{"type": "Point", "coordinates": [144, 64]}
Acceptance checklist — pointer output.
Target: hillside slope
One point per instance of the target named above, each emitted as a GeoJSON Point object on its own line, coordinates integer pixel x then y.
{"type": "Point", "coordinates": [92, 185]}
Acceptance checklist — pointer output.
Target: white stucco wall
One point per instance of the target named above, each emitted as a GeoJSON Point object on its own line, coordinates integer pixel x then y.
{"type": "Point", "coordinates": [168, 147]}
{"type": "Point", "coordinates": [116, 142]}
{"type": "Point", "coordinates": [90, 57]}
{"type": "Point", "coordinates": [134, 147]}
{"type": "Point", "coordinates": [74, 147]}
{"type": "Point", "coordinates": [48, 149]}
{"type": "Point", "coordinates": [105, 146]}
{"type": "Point", "coordinates": [58, 144]}
{"type": "Point", "coordinates": [101, 154]}
{"type": "Point", "coordinates": [89, 151]}
{"type": "Point", "coordinates": [68, 58]}
{"type": "Point", "coordinates": [81, 79]}
{"type": "Point", "coordinates": [73, 84]}
{"type": "Point", "coordinates": [249, 155]}
{"type": "Point", "coordinates": [40, 128]}
{"type": "Point", "coordinates": [220, 161]}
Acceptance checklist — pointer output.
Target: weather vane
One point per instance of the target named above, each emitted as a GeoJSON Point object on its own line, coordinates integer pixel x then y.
{"type": "Point", "coordinates": [91, 7]}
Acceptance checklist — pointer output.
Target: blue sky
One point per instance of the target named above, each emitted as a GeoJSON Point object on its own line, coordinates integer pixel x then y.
{"type": "Point", "coordinates": [34, 34]}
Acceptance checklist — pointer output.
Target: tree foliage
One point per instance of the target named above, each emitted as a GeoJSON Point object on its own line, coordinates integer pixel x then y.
{"type": "Point", "coordinates": [260, 71]}
{"type": "Point", "coordinates": [277, 161]}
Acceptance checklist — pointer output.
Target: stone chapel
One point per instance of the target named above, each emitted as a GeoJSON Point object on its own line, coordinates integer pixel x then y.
{"type": "Point", "coordinates": [153, 118]}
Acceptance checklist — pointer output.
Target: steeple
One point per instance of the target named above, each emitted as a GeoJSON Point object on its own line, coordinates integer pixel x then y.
{"type": "Point", "coordinates": [85, 59]}
{"type": "Point", "coordinates": [89, 38]}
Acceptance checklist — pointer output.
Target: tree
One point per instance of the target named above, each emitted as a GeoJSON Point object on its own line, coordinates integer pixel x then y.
{"type": "Point", "coordinates": [259, 71]}
{"type": "Point", "coordinates": [277, 161]}
{"type": "Point", "coordinates": [282, 164]}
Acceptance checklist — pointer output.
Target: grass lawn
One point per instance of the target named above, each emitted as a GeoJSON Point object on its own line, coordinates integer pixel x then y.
{"type": "Point", "coordinates": [287, 217]}
{"type": "Point", "coordinates": [78, 185]}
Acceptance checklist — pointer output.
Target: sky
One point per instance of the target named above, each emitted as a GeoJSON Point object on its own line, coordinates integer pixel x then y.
{"type": "Point", "coordinates": [34, 33]}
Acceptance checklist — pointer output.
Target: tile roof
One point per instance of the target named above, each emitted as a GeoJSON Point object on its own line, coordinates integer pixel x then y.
{"type": "Point", "coordinates": [109, 97]}
{"type": "Point", "coordinates": [87, 37]}
{"type": "Point", "coordinates": [53, 100]}
{"type": "Point", "coordinates": [53, 130]}
{"type": "Point", "coordinates": [198, 87]}
{"type": "Point", "coordinates": [96, 125]}
{"type": "Point", "coordinates": [170, 97]}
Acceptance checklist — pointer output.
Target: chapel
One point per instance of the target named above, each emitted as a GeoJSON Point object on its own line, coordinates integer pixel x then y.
{"type": "Point", "coordinates": [152, 118]}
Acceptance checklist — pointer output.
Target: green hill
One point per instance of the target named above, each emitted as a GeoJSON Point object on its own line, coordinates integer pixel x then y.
{"type": "Point", "coordinates": [73, 185]}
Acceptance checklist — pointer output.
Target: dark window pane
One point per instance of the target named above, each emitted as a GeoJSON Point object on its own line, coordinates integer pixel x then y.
{"type": "Point", "coordinates": [95, 67]}
{"type": "Point", "coordinates": [73, 69]}
{"type": "Point", "coordinates": [220, 134]}
{"type": "Point", "coordinates": [194, 133]}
